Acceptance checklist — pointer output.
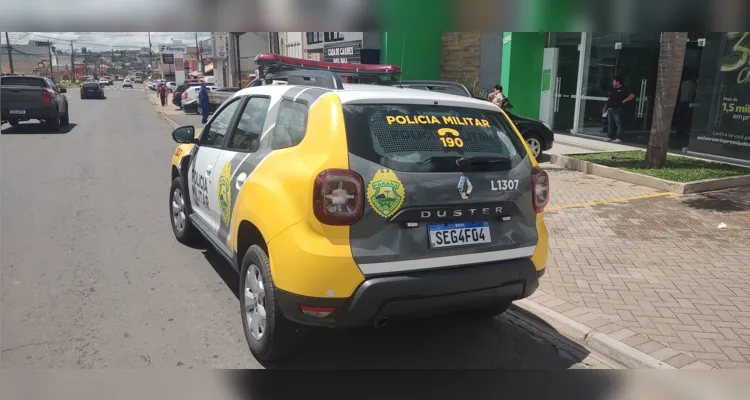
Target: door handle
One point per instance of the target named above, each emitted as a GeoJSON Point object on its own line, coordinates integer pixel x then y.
{"type": "Point", "coordinates": [241, 180]}
{"type": "Point", "coordinates": [209, 168]}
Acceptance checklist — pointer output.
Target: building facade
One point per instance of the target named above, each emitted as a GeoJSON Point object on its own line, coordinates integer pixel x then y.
{"type": "Point", "coordinates": [30, 58]}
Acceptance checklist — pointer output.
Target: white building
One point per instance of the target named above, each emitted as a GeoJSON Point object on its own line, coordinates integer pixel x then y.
{"type": "Point", "coordinates": [292, 44]}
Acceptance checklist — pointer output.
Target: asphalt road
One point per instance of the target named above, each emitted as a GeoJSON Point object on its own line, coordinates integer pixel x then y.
{"type": "Point", "coordinates": [93, 278]}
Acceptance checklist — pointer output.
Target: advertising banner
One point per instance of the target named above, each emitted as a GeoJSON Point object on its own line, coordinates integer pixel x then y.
{"type": "Point", "coordinates": [220, 45]}
{"type": "Point", "coordinates": [168, 59]}
{"type": "Point", "coordinates": [179, 64]}
{"type": "Point", "coordinates": [728, 133]}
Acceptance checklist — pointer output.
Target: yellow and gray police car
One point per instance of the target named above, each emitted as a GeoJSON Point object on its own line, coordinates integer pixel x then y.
{"type": "Point", "coordinates": [345, 205]}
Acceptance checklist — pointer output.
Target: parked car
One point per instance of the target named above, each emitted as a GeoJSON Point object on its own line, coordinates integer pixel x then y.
{"type": "Point", "coordinates": [538, 135]}
{"type": "Point", "coordinates": [104, 82]}
{"type": "Point", "coordinates": [92, 90]}
{"type": "Point", "coordinates": [217, 97]}
{"type": "Point", "coordinates": [127, 83]}
{"type": "Point", "coordinates": [32, 97]}
{"type": "Point", "coordinates": [330, 225]}
{"type": "Point", "coordinates": [171, 86]}
{"type": "Point", "coordinates": [190, 103]}
{"type": "Point", "coordinates": [177, 93]}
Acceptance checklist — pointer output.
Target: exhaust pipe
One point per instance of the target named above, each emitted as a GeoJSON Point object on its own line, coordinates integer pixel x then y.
{"type": "Point", "coordinates": [381, 323]}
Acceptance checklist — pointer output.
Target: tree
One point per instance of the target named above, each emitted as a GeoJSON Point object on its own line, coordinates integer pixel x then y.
{"type": "Point", "coordinates": [671, 59]}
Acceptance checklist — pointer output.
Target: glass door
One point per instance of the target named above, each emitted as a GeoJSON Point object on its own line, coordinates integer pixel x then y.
{"type": "Point", "coordinates": [565, 84]}
{"type": "Point", "coordinates": [632, 57]}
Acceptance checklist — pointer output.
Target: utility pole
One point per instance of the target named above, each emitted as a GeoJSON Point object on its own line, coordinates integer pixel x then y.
{"type": "Point", "coordinates": [150, 53]}
{"type": "Point", "coordinates": [72, 62]}
{"type": "Point", "coordinates": [10, 52]}
{"type": "Point", "coordinates": [198, 54]}
{"type": "Point", "coordinates": [49, 49]}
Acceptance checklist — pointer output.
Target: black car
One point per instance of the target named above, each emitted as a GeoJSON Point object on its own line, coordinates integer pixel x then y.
{"type": "Point", "coordinates": [538, 136]}
{"type": "Point", "coordinates": [92, 90]}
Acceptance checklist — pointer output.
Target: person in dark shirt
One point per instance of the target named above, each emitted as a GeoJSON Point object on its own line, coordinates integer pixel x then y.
{"type": "Point", "coordinates": [618, 97]}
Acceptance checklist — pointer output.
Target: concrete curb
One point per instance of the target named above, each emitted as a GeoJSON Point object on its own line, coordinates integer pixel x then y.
{"type": "Point", "coordinates": [618, 351]}
{"type": "Point", "coordinates": [705, 185]}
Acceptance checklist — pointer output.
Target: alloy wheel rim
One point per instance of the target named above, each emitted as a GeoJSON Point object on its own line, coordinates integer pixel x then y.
{"type": "Point", "coordinates": [255, 302]}
{"type": "Point", "coordinates": [178, 209]}
{"type": "Point", "coordinates": [535, 146]}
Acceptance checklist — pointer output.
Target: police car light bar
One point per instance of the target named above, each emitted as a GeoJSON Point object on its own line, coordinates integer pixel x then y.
{"type": "Point", "coordinates": [271, 60]}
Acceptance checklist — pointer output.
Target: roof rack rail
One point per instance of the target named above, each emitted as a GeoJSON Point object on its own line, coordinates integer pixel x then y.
{"type": "Point", "coordinates": [299, 71]}
{"type": "Point", "coordinates": [449, 87]}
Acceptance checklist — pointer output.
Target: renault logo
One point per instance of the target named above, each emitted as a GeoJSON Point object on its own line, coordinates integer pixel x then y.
{"type": "Point", "coordinates": [464, 187]}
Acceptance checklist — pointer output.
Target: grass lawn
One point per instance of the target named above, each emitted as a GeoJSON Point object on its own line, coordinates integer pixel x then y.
{"type": "Point", "coordinates": [68, 85]}
{"type": "Point", "coordinates": [677, 169]}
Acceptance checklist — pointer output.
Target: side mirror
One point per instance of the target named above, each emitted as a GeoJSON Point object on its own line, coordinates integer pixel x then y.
{"type": "Point", "coordinates": [184, 134]}
{"type": "Point", "coordinates": [63, 90]}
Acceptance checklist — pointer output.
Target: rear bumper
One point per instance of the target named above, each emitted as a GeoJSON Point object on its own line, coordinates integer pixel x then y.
{"type": "Point", "coordinates": [99, 95]}
{"type": "Point", "coordinates": [31, 113]}
{"type": "Point", "coordinates": [420, 294]}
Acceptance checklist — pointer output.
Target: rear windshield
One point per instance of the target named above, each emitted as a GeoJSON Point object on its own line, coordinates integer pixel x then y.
{"type": "Point", "coordinates": [91, 84]}
{"type": "Point", "coordinates": [22, 81]}
{"type": "Point", "coordinates": [426, 138]}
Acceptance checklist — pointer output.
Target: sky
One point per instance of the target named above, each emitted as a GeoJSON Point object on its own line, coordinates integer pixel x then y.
{"type": "Point", "coordinates": [104, 41]}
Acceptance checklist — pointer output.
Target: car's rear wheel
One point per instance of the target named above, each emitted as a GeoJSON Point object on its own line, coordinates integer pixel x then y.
{"type": "Point", "coordinates": [535, 144]}
{"type": "Point", "coordinates": [65, 120]}
{"type": "Point", "coordinates": [183, 229]}
{"type": "Point", "coordinates": [53, 123]}
{"type": "Point", "coordinates": [269, 334]}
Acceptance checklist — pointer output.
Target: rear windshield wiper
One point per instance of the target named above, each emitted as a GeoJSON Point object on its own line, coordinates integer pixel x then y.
{"type": "Point", "coordinates": [479, 160]}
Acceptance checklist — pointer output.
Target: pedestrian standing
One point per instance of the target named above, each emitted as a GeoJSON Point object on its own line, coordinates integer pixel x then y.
{"type": "Point", "coordinates": [163, 94]}
{"type": "Point", "coordinates": [618, 97]}
{"type": "Point", "coordinates": [203, 101]}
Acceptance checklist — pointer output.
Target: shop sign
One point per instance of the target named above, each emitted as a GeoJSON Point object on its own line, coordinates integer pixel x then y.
{"type": "Point", "coordinates": [165, 48]}
{"type": "Point", "coordinates": [168, 58]}
{"type": "Point", "coordinates": [219, 45]}
{"type": "Point", "coordinates": [728, 133]}
{"type": "Point", "coordinates": [179, 64]}
{"type": "Point", "coordinates": [347, 52]}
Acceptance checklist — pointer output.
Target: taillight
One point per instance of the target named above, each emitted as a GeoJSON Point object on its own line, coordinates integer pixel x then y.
{"type": "Point", "coordinates": [100, 89]}
{"type": "Point", "coordinates": [46, 97]}
{"type": "Point", "coordinates": [539, 189]}
{"type": "Point", "coordinates": [338, 197]}
{"type": "Point", "coordinates": [185, 96]}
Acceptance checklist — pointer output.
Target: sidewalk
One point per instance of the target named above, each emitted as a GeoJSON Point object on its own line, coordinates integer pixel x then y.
{"type": "Point", "coordinates": [651, 269]}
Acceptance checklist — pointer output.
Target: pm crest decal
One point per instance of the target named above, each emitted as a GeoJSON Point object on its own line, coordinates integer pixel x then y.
{"type": "Point", "coordinates": [385, 192]}
{"type": "Point", "coordinates": [225, 193]}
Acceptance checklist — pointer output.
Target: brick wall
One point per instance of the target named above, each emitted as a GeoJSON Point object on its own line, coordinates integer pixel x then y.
{"type": "Point", "coordinates": [460, 56]}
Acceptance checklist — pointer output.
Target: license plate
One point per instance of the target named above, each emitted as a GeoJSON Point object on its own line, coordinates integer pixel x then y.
{"type": "Point", "coordinates": [18, 112]}
{"type": "Point", "coordinates": [459, 234]}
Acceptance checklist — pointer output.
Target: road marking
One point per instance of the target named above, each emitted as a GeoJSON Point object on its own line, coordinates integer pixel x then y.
{"type": "Point", "coordinates": [608, 201]}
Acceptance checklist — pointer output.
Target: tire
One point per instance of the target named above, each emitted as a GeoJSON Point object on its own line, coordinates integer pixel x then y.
{"type": "Point", "coordinates": [535, 143]}
{"type": "Point", "coordinates": [488, 312]}
{"type": "Point", "coordinates": [278, 336]}
{"type": "Point", "coordinates": [54, 123]}
{"type": "Point", "coordinates": [183, 229]}
{"type": "Point", "coordinates": [65, 120]}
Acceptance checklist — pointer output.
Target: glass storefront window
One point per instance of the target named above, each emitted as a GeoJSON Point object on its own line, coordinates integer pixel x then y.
{"type": "Point", "coordinates": [721, 113]}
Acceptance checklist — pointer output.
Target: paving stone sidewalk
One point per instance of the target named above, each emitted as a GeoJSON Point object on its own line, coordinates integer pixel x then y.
{"type": "Point", "coordinates": [656, 273]}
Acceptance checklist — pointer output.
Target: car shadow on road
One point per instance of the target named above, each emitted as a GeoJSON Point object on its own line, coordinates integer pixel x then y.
{"type": "Point", "coordinates": [35, 128]}
{"type": "Point", "coordinates": [452, 341]}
